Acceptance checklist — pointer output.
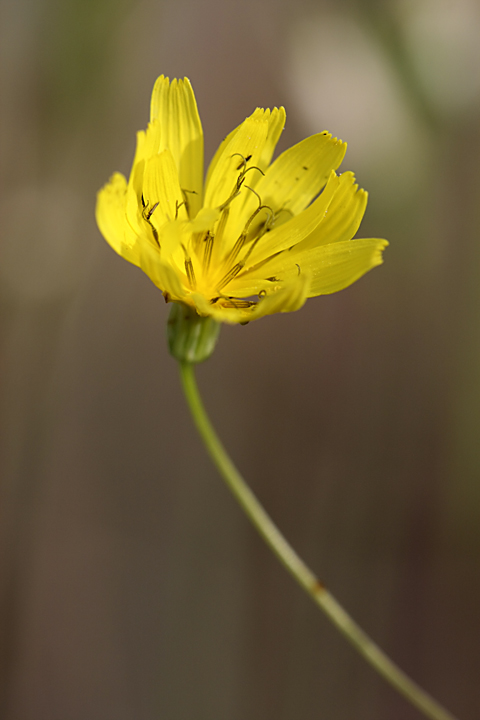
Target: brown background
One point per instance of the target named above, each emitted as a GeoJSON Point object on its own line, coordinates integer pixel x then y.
{"type": "Point", "coordinates": [132, 588]}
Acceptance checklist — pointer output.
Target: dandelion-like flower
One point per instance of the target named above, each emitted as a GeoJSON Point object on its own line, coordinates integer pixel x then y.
{"type": "Point", "coordinates": [257, 237]}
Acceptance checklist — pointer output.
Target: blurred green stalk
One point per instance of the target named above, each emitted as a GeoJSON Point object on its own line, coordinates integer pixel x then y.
{"type": "Point", "coordinates": [295, 565]}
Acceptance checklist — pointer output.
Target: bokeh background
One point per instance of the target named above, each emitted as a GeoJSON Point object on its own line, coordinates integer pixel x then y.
{"type": "Point", "coordinates": [132, 588]}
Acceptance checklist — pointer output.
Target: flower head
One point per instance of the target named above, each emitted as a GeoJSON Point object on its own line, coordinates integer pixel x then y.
{"type": "Point", "coordinates": [257, 237]}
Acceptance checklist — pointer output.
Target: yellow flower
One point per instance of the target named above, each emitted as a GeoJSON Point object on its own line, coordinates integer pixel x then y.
{"type": "Point", "coordinates": [258, 237]}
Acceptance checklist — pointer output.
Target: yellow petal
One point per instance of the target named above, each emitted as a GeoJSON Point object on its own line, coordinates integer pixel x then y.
{"type": "Point", "coordinates": [218, 154]}
{"type": "Point", "coordinates": [161, 190]}
{"type": "Point", "coordinates": [135, 186]}
{"type": "Point", "coordinates": [286, 298]}
{"type": "Point", "coordinates": [244, 206]}
{"type": "Point", "coordinates": [276, 123]}
{"type": "Point", "coordinates": [344, 215]}
{"type": "Point", "coordinates": [161, 273]}
{"type": "Point", "coordinates": [175, 124]}
{"type": "Point", "coordinates": [139, 156]}
{"type": "Point", "coordinates": [205, 220]}
{"type": "Point", "coordinates": [332, 267]}
{"type": "Point", "coordinates": [173, 238]}
{"type": "Point", "coordinates": [235, 171]}
{"type": "Point", "coordinates": [298, 175]}
{"type": "Point", "coordinates": [289, 298]}
{"type": "Point", "coordinates": [247, 141]}
{"type": "Point", "coordinates": [111, 218]}
{"type": "Point", "coordinates": [297, 229]}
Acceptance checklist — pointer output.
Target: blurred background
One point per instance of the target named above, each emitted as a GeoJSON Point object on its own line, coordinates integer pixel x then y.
{"type": "Point", "coordinates": [131, 586]}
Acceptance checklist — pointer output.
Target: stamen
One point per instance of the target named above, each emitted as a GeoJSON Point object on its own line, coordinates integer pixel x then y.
{"type": "Point", "coordinates": [255, 193]}
{"type": "Point", "coordinates": [222, 223]}
{"type": "Point", "coordinates": [178, 206]}
{"type": "Point", "coordinates": [258, 265]}
{"type": "Point", "coordinates": [207, 250]}
{"type": "Point", "coordinates": [147, 214]}
{"type": "Point", "coordinates": [150, 212]}
{"type": "Point", "coordinates": [190, 273]}
{"type": "Point", "coordinates": [232, 273]}
{"type": "Point", "coordinates": [243, 237]}
{"type": "Point", "coordinates": [260, 207]}
{"type": "Point", "coordinates": [189, 269]}
{"type": "Point", "coordinates": [244, 160]}
{"type": "Point", "coordinates": [240, 179]}
{"type": "Point", "coordinates": [253, 167]}
{"type": "Point", "coordinates": [185, 199]}
{"type": "Point", "coordinates": [259, 237]}
{"type": "Point", "coordinates": [232, 256]}
{"type": "Point", "coordinates": [218, 236]}
{"type": "Point", "coordinates": [234, 194]}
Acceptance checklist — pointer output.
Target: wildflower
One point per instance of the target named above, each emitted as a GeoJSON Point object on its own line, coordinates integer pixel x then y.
{"type": "Point", "coordinates": [258, 237]}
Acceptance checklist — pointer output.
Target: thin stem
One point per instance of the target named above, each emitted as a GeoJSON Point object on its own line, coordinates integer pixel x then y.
{"type": "Point", "coordinates": [295, 565]}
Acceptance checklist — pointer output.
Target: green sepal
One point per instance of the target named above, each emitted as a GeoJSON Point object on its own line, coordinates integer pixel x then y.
{"type": "Point", "coordinates": [191, 337]}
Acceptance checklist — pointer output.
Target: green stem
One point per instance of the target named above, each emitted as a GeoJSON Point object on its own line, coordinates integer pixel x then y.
{"type": "Point", "coordinates": [295, 565]}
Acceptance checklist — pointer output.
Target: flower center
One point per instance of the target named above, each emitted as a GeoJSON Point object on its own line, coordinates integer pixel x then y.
{"type": "Point", "coordinates": [218, 269]}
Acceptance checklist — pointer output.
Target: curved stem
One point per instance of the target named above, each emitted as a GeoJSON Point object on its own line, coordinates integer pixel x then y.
{"type": "Point", "coordinates": [295, 565]}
